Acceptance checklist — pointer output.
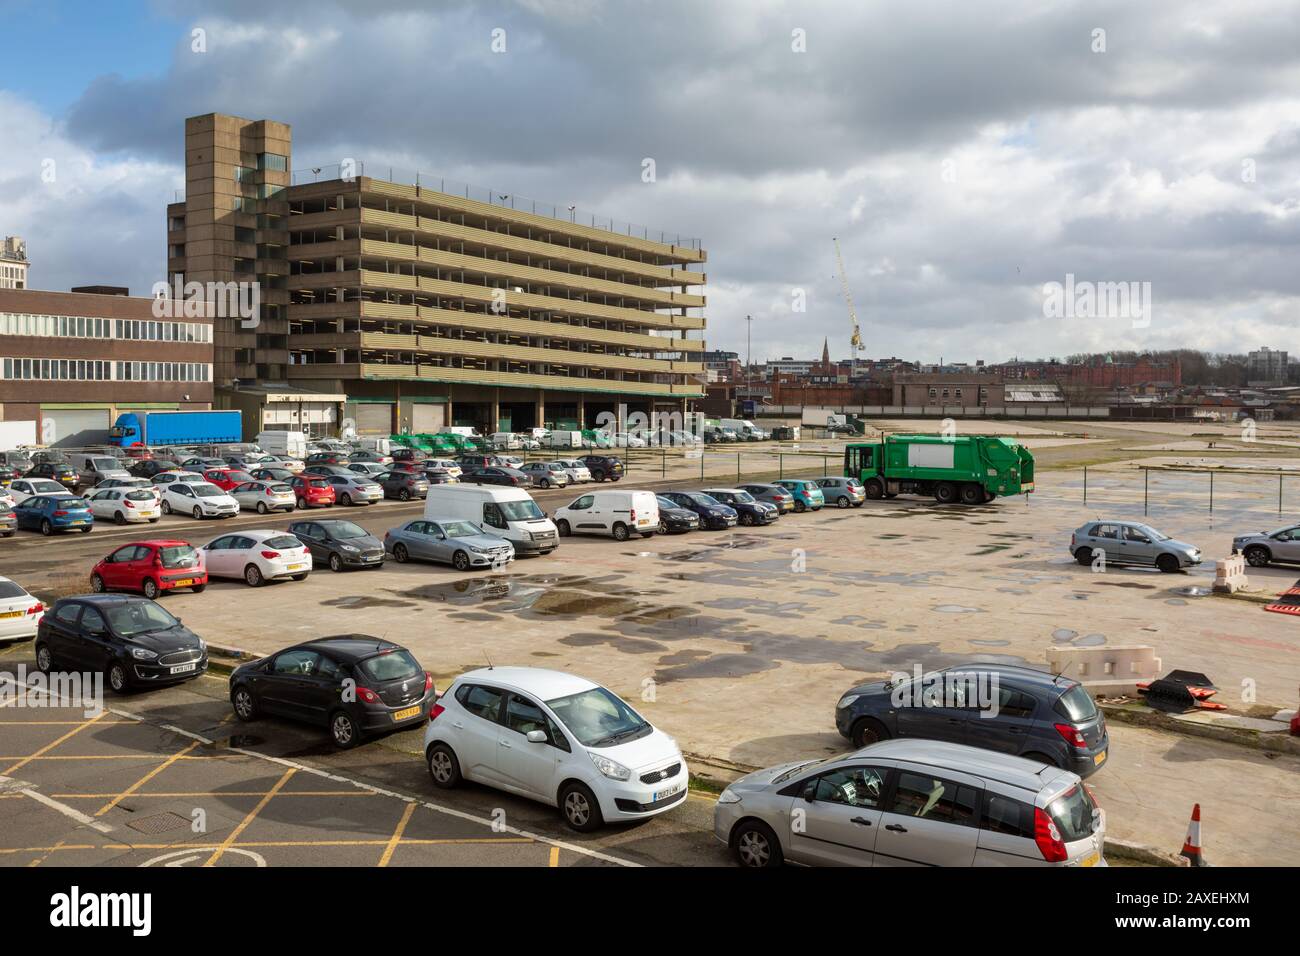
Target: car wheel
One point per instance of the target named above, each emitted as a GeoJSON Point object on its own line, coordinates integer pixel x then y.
{"type": "Point", "coordinates": [166, 507]}
{"type": "Point", "coordinates": [620, 531]}
{"type": "Point", "coordinates": [404, 495]}
{"type": "Point", "coordinates": [544, 483]}
{"type": "Point", "coordinates": [945, 493]}
{"type": "Point", "coordinates": [198, 588]}
{"type": "Point", "coordinates": [117, 678]}
{"type": "Point", "coordinates": [400, 554]}
{"type": "Point", "coordinates": [343, 730]}
{"type": "Point", "coordinates": [663, 528]}
{"type": "Point", "coordinates": [261, 507]}
{"type": "Point", "coordinates": [150, 589]}
{"type": "Point", "coordinates": [746, 519]}
{"type": "Point", "coordinates": [153, 520]}
{"type": "Point", "coordinates": [44, 658]}
{"type": "Point", "coordinates": [800, 507]}
{"type": "Point", "coordinates": [244, 704]}
{"type": "Point", "coordinates": [119, 518]}
{"type": "Point", "coordinates": [755, 845]}
{"type": "Point", "coordinates": [867, 731]}
{"type": "Point", "coordinates": [562, 527]}
{"type": "Point", "coordinates": [336, 563]}
{"type": "Point", "coordinates": [444, 768]}
{"type": "Point", "coordinates": [1167, 563]}
{"type": "Point", "coordinates": [47, 529]}
{"type": "Point", "coordinates": [597, 476]}
{"type": "Point", "coordinates": [302, 505]}
{"type": "Point", "coordinates": [197, 513]}
{"type": "Point", "coordinates": [1257, 556]}
{"type": "Point", "coordinates": [842, 501]}
{"type": "Point", "coordinates": [460, 561]}
{"type": "Point", "coordinates": [1083, 556]}
{"type": "Point", "coordinates": [97, 584]}
{"type": "Point", "coordinates": [972, 494]}
{"type": "Point", "coordinates": [253, 576]}
{"type": "Point", "coordinates": [580, 809]}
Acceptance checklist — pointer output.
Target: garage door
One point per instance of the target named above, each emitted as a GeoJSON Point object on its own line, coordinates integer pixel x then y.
{"type": "Point", "coordinates": [74, 427]}
{"type": "Point", "coordinates": [427, 418]}
{"type": "Point", "coordinates": [374, 418]}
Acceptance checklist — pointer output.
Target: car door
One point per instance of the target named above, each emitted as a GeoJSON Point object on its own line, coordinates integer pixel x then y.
{"type": "Point", "coordinates": [478, 730]}
{"type": "Point", "coordinates": [835, 820]}
{"type": "Point", "coordinates": [61, 632]}
{"type": "Point", "coordinates": [216, 556]}
{"type": "Point", "coordinates": [323, 688]}
{"type": "Point", "coordinates": [1286, 545]}
{"type": "Point", "coordinates": [1004, 727]}
{"type": "Point", "coordinates": [287, 686]}
{"type": "Point", "coordinates": [117, 569]}
{"type": "Point", "coordinates": [93, 641]}
{"type": "Point", "coordinates": [1138, 548]}
{"type": "Point", "coordinates": [528, 767]}
{"type": "Point", "coordinates": [310, 534]}
{"type": "Point", "coordinates": [433, 542]}
{"type": "Point", "coordinates": [927, 710]}
{"type": "Point", "coordinates": [929, 820]}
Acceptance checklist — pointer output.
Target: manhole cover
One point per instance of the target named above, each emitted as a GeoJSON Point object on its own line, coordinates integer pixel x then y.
{"type": "Point", "coordinates": [159, 823]}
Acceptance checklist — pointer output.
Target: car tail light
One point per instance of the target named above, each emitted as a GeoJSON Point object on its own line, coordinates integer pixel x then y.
{"type": "Point", "coordinates": [38, 607]}
{"type": "Point", "coordinates": [1071, 542]}
{"type": "Point", "coordinates": [129, 504]}
{"type": "Point", "coordinates": [269, 555]}
{"type": "Point", "coordinates": [59, 514]}
{"type": "Point", "coordinates": [1073, 736]}
{"type": "Point", "coordinates": [1048, 838]}
{"type": "Point", "coordinates": [435, 711]}
{"type": "Point", "coordinates": [367, 696]}
{"type": "Point", "coordinates": [631, 515]}
{"type": "Point", "coordinates": [428, 682]}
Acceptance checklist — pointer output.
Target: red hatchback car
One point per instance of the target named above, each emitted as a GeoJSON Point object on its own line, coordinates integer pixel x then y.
{"type": "Point", "coordinates": [312, 491]}
{"type": "Point", "coordinates": [151, 567]}
{"type": "Point", "coordinates": [227, 478]}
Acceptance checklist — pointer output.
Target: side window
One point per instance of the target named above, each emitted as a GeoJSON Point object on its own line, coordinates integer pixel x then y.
{"type": "Point", "coordinates": [1107, 531]}
{"type": "Point", "coordinates": [327, 669]}
{"type": "Point", "coordinates": [1005, 815]}
{"type": "Point", "coordinates": [850, 786]}
{"type": "Point", "coordinates": [482, 702]}
{"type": "Point", "coordinates": [220, 544]}
{"type": "Point", "coordinates": [92, 622]}
{"type": "Point", "coordinates": [295, 663]}
{"type": "Point", "coordinates": [1012, 703]}
{"type": "Point", "coordinates": [583, 503]}
{"type": "Point", "coordinates": [1133, 534]}
{"type": "Point", "coordinates": [492, 515]}
{"type": "Point", "coordinates": [67, 613]}
{"type": "Point", "coordinates": [524, 716]}
{"type": "Point", "coordinates": [932, 798]}
{"type": "Point", "coordinates": [122, 555]}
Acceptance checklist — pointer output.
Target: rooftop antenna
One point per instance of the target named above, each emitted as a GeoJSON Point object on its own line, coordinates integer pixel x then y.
{"type": "Point", "coordinates": [489, 659]}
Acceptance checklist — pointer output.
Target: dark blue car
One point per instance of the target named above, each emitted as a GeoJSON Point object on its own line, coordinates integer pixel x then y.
{"type": "Point", "coordinates": [713, 513]}
{"type": "Point", "coordinates": [750, 510]}
{"type": "Point", "coordinates": [50, 513]}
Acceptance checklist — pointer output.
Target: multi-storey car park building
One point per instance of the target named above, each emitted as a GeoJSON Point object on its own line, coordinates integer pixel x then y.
{"type": "Point", "coordinates": [429, 308]}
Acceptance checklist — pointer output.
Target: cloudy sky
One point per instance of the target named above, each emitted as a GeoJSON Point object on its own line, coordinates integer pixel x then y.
{"type": "Point", "coordinates": [965, 153]}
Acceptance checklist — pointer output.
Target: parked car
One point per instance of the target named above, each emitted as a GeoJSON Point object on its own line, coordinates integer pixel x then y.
{"type": "Point", "coordinates": [773, 495]}
{"type": "Point", "coordinates": [148, 467]}
{"type": "Point", "coordinates": [603, 467]}
{"type": "Point", "coordinates": [507, 441]}
{"type": "Point", "coordinates": [436, 476]}
{"type": "Point", "coordinates": [354, 489]}
{"type": "Point", "coordinates": [496, 476]}
{"type": "Point", "coordinates": [53, 513]}
{"type": "Point", "coordinates": [132, 639]}
{"type": "Point", "coordinates": [1036, 715]}
{"type": "Point", "coordinates": [93, 468]}
{"type": "Point", "coordinates": [131, 483]}
{"type": "Point", "coordinates": [842, 492]}
{"type": "Point", "coordinates": [912, 803]}
{"type": "Point", "coordinates": [151, 568]}
{"type": "Point", "coordinates": [257, 557]}
{"type": "Point", "coordinates": [547, 474]}
{"type": "Point", "coordinates": [674, 518]}
{"type": "Point", "coordinates": [510, 513]}
{"type": "Point", "coordinates": [125, 505]}
{"type": "Point", "coordinates": [165, 478]}
{"type": "Point", "coordinates": [273, 474]}
{"type": "Point", "coordinates": [227, 479]}
{"type": "Point", "coordinates": [578, 472]}
{"type": "Point", "coordinates": [199, 465]}
{"type": "Point", "coordinates": [807, 496]}
{"type": "Point", "coordinates": [711, 512]}
{"type": "Point", "coordinates": [618, 513]}
{"type": "Point", "coordinates": [555, 738]}
{"type": "Point", "coordinates": [20, 613]}
{"type": "Point", "coordinates": [8, 521]}
{"type": "Point", "coordinates": [368, 455]}
{"type": "Point", "coordinates": [247, 460]}
{"type": "Point", "coordinates": [446, 464]}
{"type": "Point", "coordinates": [23, 488]}
{"type": "Point", "coordinates": [469, 463]}
{"type": "Point", "coordinates": [312, 491]}
{"type": "Point", "coordinates": [334, 457]}
{"type": "Point", "coordinates": [290, 463]}
{"type": "Point", "coordinates": [264, 496]}
{"type": "Point", "coordinates": [328, 471]}
{"type": "Point", "coordinates": [462, 544]}
{"type": "Point", "coordinates": [749, 510]}
{"type": "Point", "coordinates": [16, 462]}
{"type": "Point", "coordinates": [408, 454]}
{"type": "Point", "coordinates": [62, 472]}
{"type": "Point", "coordinates": [1262, 548]}
{"type": "Point", "coordinates": [1132, 542]}
{"type": "Point", "coordinates": [402, 485]}
{"type": "Point", "coordinates": [353, 684]}
{"type": "Point", "coordinates": [368, 469]}
{"type": "Point", "coordinates": [338, 543]}
{"type": "Point", "coordinates": [198, 500]}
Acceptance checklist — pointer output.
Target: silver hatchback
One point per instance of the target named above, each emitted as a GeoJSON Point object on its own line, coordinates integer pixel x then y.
{"type": "Point", "coordinates": [912, 803]}
{"type": "Point", "coordinates": [1132, 542]}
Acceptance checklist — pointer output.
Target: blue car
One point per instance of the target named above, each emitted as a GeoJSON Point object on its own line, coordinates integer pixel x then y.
{"type": "Point", "coordinates": [50, 513]}
{"type": "Point", "coordinates": [807, 495]}
{"type": "Point", "coordinates": [713, 513]}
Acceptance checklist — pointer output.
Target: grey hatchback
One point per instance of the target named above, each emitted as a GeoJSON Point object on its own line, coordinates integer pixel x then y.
{"type": "Point", "coordinates": [1132, 542]}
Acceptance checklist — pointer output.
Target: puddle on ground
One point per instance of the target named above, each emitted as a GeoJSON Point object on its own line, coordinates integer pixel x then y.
{"type": "Point", "coordinates": [1124, 584]}
{"type": "Point", "coordinates": [1193, 590]}
{"type": "Point", "coordinates": [1177, 602]}
{"type": "Point", "coordinates": [793, 610]}
{"type": "Point", "coordinates": [628, 645]}
{"type": "Point", "coordinates": [956, 609]}
{"type": "Point", "coordinates": [1063, 635]}
{"type": "Point", "coordinates": [857, 620]}
{"type": "Point", "coordinates": [990, 643]}
{"type": "Point", "coordinates": [356, 602]}
{"type": "Point", "coordinates": [987, 549]}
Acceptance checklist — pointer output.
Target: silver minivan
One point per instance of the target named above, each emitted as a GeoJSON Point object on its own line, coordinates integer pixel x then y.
{"type": "Point", "coordinates": [912, 803]}
{"type": "Point", "coordinates": [94, 468]}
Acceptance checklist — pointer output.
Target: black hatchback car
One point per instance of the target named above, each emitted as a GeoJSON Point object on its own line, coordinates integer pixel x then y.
{"type": "Point", "coordinates": [134, 641]}
{"type": "Point", "coordinates": [673, 518]}
{"type": "Point", "coordinates": [339, 543]}
{"type": "Point", "coordinates": [148, 467]}
{"type": "Point", "coordinates": [603, 467]}
{"type": "Point", "coordinates": [352, 683]}
{"type": "Point", "coordinates": [1014, 710]}
{"type": "Point", "coordinates": [61, 472]}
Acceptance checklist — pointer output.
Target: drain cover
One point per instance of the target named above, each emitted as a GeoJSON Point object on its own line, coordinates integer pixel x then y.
{"type": "Point", "coordinates": [159, 823]}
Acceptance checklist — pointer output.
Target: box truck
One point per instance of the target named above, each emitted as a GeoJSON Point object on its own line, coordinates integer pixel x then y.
{"type": "Point", "coordinates": [177, 428]}
{"type": "Point", "coordinates": [972, 469]}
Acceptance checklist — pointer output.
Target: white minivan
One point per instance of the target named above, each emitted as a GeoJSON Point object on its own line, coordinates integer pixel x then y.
{"type": "Point", "coordinates": [618, 513]}
{"type": "Point", "coordinates": [509, 513]}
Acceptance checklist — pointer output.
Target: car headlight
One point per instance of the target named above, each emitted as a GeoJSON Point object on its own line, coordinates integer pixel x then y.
{"type": "Point", "coordinates": [203, 645]}
{"type": "Point", "coordinates": [478, 550]}
{"type": "Point", "coordinates": [728, 796]}
{"type": "Point", "coordinates": [847, 701]}
{"type": "Point", "coordinates": [142, 654]}
{"type": "Point", "coordinates": [348, 548]}
{"type": "Point", "coordinates": [610, 768]}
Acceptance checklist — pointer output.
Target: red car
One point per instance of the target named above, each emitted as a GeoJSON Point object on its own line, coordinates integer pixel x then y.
{"type": "Point", "coordinates": [151, 567]}
{"type": "Point", "coordinates": [312, 491]}
{"type": "Point", "coordinates": [227, 478]}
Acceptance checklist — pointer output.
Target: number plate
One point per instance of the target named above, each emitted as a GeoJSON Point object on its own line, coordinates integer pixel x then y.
{"type": "Point", "coordinates": [1099, 758]}
{"type": "Point", "coordinates": [12, 614]}
{"type": "Point", "coordinates": [296, 567]}
{"type": "Point", "coordinates": [183, 583]}
{"type": "Point", "coordinates": [1092, 859]}
{"type": "Point", "coordinates": [182, 668]}
{"type": "Point", "coordinates": [406, 714]}
{"type": "Point", "coordinates": [661, 794]}
{"type": "Point", "coordinates": [77, 521]}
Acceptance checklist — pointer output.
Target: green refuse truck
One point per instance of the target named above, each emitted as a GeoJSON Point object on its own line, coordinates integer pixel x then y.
{"type": "Point", "coordinates": [972, 469]}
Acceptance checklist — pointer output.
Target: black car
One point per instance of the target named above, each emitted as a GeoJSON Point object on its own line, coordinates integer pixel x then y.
{"type": "Point", "coordinates": [326, 471]}
{"type": "Point", "coordinates": [1004, 707]}
{"type": "Point", "coordinates": [674, 518]}
{"type": "Point", "coordinates": [352, 683]}
{"type": "Point", "coordinates": [148, 467]}
{"type": "Point", "coordinates": [327, 458]}
{"type": "Point", "coordinates": [712, 513]}
{"type": "Point", "coordinates": [133, 640]}
{"type": "Point", "coordinates": [408, 454]}
{"type": "Point", "coordinates": [339, 543]}
{"type": "Point", "coordinates": [603, 467]}
{"type": "Point", "coordinates": [496, 476]}
{"type": "Point", "coordinates": [272, 474]}
{"type": "Point", "coordinates": [402, 485]}
{"type": "Point", "coordinates": [61, 472]}
{"type": "Point", "coordinates": [749, 510]}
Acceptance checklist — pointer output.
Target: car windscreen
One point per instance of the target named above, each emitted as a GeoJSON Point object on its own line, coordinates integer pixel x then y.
{"type": "Point", "coordinates": [598, 718]}
{"type": "Point", "coordinates": [1072, 814]}
{"type": "Point", "coordinates": [138, 617]}
{"type": "Point", "coordinates": [1077, 704]}
{"type": "Point", "coordinates": [1151, 532]}
{"type": "Point", "coordinates": [460, 529]}
{"type": "Point", "coordinates": [178, 556]}
{"type": "Point", "coordinates": [394, 665]}
{"type": "Point", "coordinates": [744, 497]}
{"type": "Point", "coordinates": [10, 590]}
{"type": "Point", "coordinates": [701, 499]}
{"type": "Point", "coordinates": [521, 510]}
{"type": "Point", "coordinates": [104, 464]}
{"type": "Point", "coordinates": [283, 542]}
{"type": "Point", "coordinates": [666, 503]}
{"type": "Point", "coordinates": [343, 530]}
{"type": "Point", "coordinates": [239, 476]}
{"type": "Point", "coordinates": [207, 491]}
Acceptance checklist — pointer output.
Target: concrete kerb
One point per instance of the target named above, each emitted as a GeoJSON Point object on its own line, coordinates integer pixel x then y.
{"type": "Point", "coordinates": [1140, 715]}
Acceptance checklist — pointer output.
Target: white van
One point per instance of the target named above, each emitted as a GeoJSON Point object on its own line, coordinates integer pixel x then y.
{"type": "Point", "coordinates": [563, 440]}
{"type": "Point", "coordinates": [289, 443]}
{"type": "Point", "coordinates": [92, 468]}
{"type": "Point", "coordinates": [509, 513]}
{"type": "Point", "coordinates": [618, 513]}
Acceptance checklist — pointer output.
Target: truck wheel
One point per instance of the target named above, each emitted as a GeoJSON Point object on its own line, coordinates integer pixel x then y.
{"type": "Point", "coordinates": [972, 494]}
{"type": "Point", "coordinates": [945, 493]}
{"type": "Point", "coordinates": [875, 489]}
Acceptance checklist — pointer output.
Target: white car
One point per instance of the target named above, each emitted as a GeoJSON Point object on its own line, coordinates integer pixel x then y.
{"type": "Point", "coordinates": [445, 464]}
{"type": "Point", "coordinates": [263, 496]}
{"type": "Point", "coordinates": [7, 501]}
{"type": "Point", "coordinates": [555, 738]}
{"type": "Point", "coordinates": [578, 472]}
{"type": "Point", "coordinates": [199, 499]}
{"type": "Point", "coordinates": [164, 478]}
{"type": "Point", "coordinates": [23, 488]}
{"type": "Point", "coordinates": [125, 505]}
{"type": "Point", "coordinates": [257, 557]}
{"type": "Point", "coordinates": [20, 613]}
{"type": "Point", "coordinates": [130, 484]}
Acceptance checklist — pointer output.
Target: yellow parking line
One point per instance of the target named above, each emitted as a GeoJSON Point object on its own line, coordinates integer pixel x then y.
{"type": "Point", "coordinates": [555, 857]}
{"type": "Point", "coordinates": [145, 779]}
{"type": "Point", "coordinates": [24, 761]}
{"type": "Point", "coordinates": [450, 841]}
{"type": "Point", "coordinates": [135, 756]}
{"type": "Point", "coordinates": [252, 815]}
{"type": "Point", "coordinates": [396, 838]}
{"type": "Point", "coordinates": [64, 723]}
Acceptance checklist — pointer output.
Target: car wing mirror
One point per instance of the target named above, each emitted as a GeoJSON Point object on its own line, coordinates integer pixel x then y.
{"type": "Point", "coordinates": [536, 736]}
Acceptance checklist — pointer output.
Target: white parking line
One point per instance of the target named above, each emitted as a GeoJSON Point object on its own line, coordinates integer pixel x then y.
{"type": "Point", "coordinates": [67, 811]}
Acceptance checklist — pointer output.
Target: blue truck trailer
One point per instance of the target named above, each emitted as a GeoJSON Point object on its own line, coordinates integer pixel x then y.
{"type": "Point", "coordinates": [177, 428]}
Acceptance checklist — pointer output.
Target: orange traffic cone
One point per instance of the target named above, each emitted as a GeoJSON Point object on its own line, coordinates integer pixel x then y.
{"type": "Point", "coordinates": [1192, 845]}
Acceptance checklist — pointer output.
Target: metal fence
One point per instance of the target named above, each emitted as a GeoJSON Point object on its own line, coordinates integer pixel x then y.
{"type": "Point", "coordinates": [1164, 489]}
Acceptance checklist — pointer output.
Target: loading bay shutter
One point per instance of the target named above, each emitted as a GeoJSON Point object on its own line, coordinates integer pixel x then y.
{"type": "Point", "coordinates": [427, 417]}
{"type": "Point", "coordinates": [74, 427]}
{"type": "Point", "coordinates": [374, 418]}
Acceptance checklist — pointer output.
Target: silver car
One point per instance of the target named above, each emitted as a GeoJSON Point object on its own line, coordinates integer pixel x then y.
{"type": "Point", "coordinates": [461, 544]}
{"type": "Point", "coordinates": [912, 803]}
{"type": "Point", "coordinates": [1262, 548]}
{"type": "Point", "coordinates": [1132, 542]}
{"type": "Point", "coordinates": [368, 469]}
{"type": "Point", "coordinates": [842, 492]}
{"type": "Point", "coordinates": [546, 474]}
{"type": "Point", "coordinates": [264, 496]}
{"type": "Point", "coordinates": [354, 489]}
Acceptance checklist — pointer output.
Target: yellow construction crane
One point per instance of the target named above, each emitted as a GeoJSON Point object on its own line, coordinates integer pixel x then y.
{"type": "Point", "coordinates": [856, 341]}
